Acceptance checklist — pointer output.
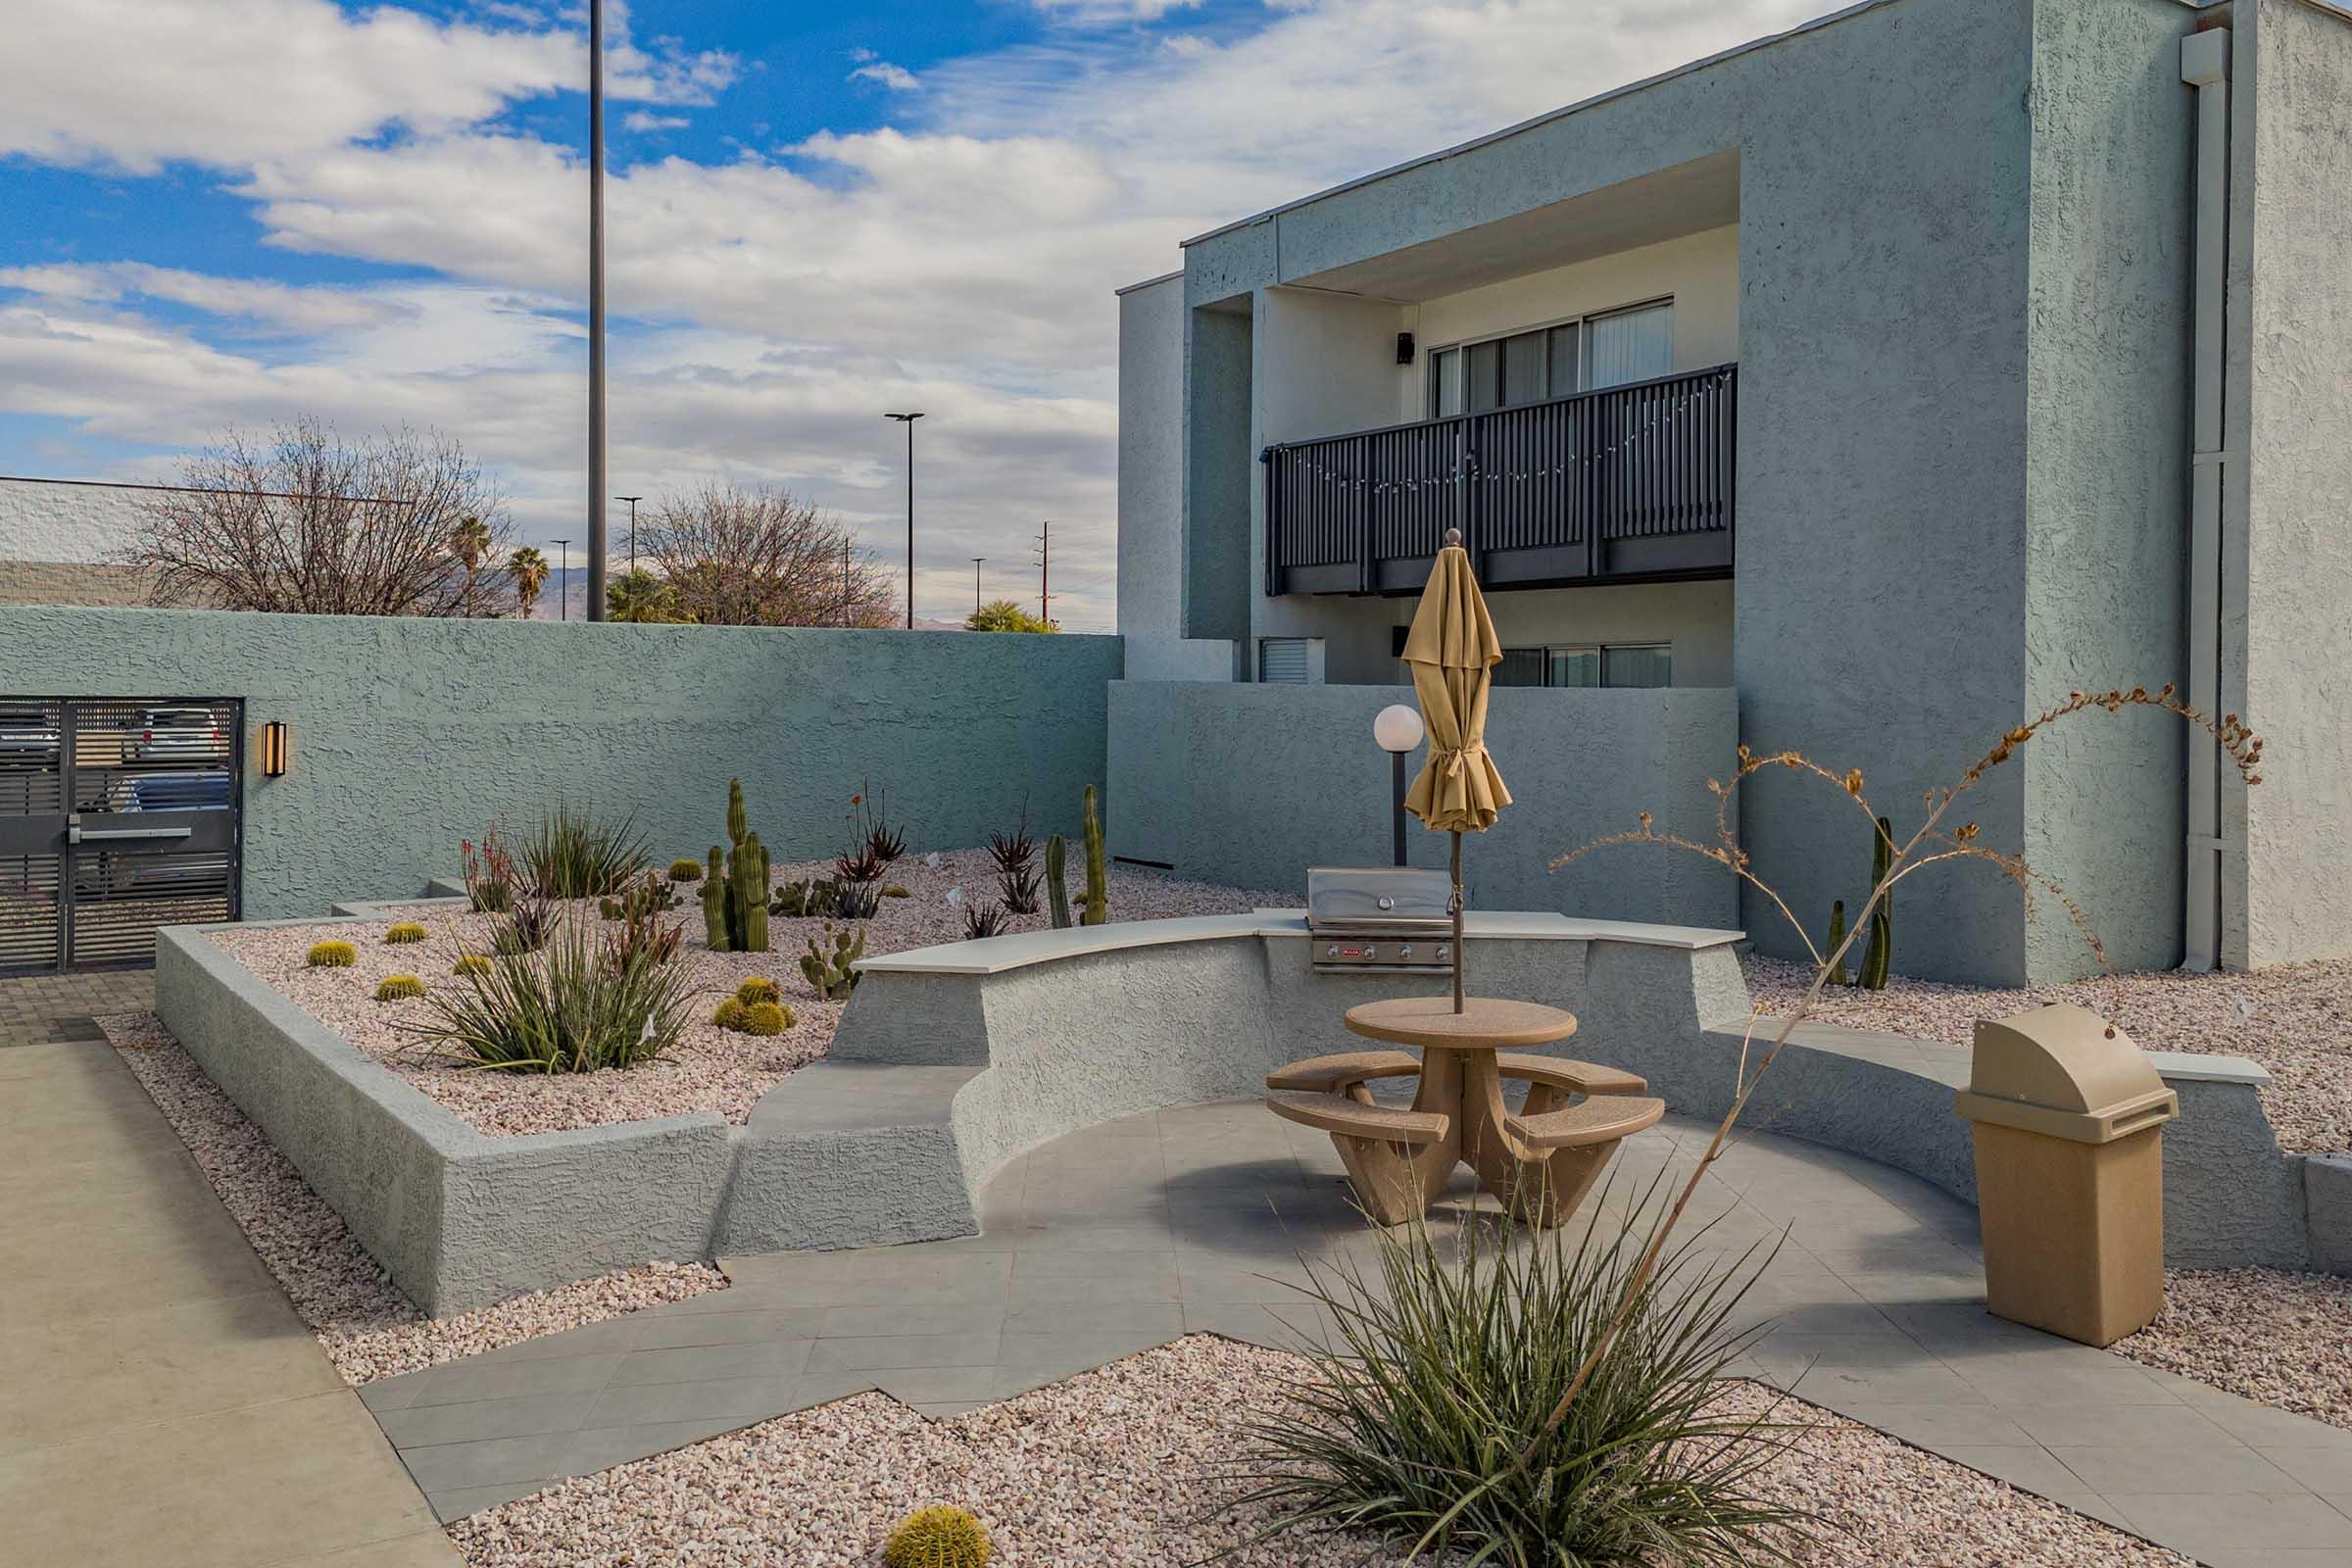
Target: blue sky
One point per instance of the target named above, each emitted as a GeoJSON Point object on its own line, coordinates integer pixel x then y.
{"type": "Point", "coordinates": [230, 212]}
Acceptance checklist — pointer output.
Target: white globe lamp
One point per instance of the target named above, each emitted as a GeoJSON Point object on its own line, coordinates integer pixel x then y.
{"type": "Point", "coordinates": [1397, 729]}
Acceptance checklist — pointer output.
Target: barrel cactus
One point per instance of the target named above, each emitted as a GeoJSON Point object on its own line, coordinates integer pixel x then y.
{"type": "Point", "coordinates": [729, 1014]}
{"type": "Point", "coordinates": [399, 988]}
{"type": "Point", "coordinates": [683, 871]}
{"type": "Point", "coordinates": [758, 989]}
{"type": "Point", "coordinates": [470, 963]}
{"type": "Point", "coordinates": [331, 956]}
{"type": "Point", "coordinates": [767, 1018]}
{"type": "Point", "coordinates": [938, 1537]}
{"type": "Point", "coordinates": [405, 931]}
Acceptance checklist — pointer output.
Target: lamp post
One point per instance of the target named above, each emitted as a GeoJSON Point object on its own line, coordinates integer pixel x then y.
{"type": "Point", "coordinates": [563, 590]}
{"type": "Point", "coordinates": [977, 560]}
{"type": "Point", "coordinates": [632, 500]}
{"type": "Point", "coordinates": [596, 310]}
{"type": "Point", "coordinates": [1397, 728]}
{"type": "Point", "coordinates": [908, 420]}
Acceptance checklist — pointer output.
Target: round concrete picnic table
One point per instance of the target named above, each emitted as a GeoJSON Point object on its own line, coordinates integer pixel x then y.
{"type": "Point", "coordinates": [1459, 1081]}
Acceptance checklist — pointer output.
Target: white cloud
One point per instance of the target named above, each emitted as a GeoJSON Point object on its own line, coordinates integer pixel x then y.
{"type": "Point", "coordinates": [897, 78]}
{"type": "Point", "coordinates": [1094, 12]}
{"type": "Point", "coordinates": [137, 83]}
{"type": "Point", "coordinates": [961, 261]}
{"type": "Point", "coordinates": [641, 120]}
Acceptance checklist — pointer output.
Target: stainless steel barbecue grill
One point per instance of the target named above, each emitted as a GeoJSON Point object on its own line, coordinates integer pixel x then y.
{"type": "Point", "coordinates": [1382, 919]}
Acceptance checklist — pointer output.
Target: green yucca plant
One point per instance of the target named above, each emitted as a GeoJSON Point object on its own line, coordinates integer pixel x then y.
{"type": "Point", "coordinates": [331, 956]}
{"type": "Point", "coordinates": [571, 1005]}
{"type": "Point", "coordinates": [576, 854]}
{"type": "Point", "coordinates": [1412, 1422]}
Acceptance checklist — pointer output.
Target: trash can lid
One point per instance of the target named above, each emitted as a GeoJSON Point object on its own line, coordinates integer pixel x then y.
{"type": "Point", "coordinates": [2065, 1072]}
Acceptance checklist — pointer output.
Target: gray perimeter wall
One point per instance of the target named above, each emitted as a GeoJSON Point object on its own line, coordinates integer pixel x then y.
{"type": "Point", "coordinates": [411, 734]}
{"type": "Point", "coordinates": [2291, 343]}
{"type": "Point", "coordinates": [1151, 462]}
{"type": "Point", "coordinates": [1252, 784]}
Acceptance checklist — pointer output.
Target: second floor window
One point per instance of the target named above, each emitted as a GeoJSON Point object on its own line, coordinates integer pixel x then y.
{"type": "Point", "coordinates": [1552, 361]}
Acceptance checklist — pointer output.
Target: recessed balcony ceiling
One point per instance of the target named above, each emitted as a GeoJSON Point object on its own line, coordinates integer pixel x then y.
{"type": "Point", "coordinates": [1683, 200]}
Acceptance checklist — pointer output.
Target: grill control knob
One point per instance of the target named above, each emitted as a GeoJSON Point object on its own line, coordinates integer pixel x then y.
{"type": "Point", "coordinates": [1333, 951]}
{"type": "Point", "coordinates": [1445, 952]}
{"type": "Point", "coordinates": [1405, 955]}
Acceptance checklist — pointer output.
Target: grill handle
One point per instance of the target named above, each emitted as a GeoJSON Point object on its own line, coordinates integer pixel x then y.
{"type": "Point", "coordinates": [75, 833]}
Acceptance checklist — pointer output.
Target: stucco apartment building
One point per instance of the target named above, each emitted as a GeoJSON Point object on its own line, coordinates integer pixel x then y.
{"type": "Point", "coordinates": [1901, 373]}
{"type": "Point", "coordinates": [62, 542]}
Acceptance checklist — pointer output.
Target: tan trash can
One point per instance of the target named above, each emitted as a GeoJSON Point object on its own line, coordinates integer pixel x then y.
{"type": "Point", "coordinates": [2069, 1129]}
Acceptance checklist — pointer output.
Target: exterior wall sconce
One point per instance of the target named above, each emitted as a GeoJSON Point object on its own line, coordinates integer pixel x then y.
{"type": "Point", "coordinates": [278, 748]}
{"type": "Point", "coordinates": [1397, 729]}
{"type": "Point", "coordinates": [1404, 348]}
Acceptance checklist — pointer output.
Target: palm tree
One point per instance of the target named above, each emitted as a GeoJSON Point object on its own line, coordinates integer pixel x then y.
{"type": "Point", "coordinates": [642, 596]}
{"type": "Point", "coordinates": [528, 568]}
{"type": "Point", "coordinates": [470, 542]}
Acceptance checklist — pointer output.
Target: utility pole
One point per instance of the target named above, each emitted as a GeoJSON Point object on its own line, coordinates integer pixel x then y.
{"type": "Point", "coordinates": [977, 560]}
{"type": "Point", "coordinates": [1045, 570]}
{"type": "Point", "coordinates": [563, 568]}
{"type": "Point", "coordinates": [632, 500]}
{"type": "Point", "coordinates": [596, 310]}
{"type": "Point", "coordinates": [845, 582]}
{"type": "Point", "coordinates": [908, 420]}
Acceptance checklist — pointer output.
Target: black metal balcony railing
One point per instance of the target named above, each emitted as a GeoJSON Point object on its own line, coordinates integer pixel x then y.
{"type": "Point", "coordinates": [1633, 483]}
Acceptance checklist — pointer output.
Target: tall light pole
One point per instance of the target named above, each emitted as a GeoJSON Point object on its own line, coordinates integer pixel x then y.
{"type": "Point", "coordinates": [632, 500]}
{"type": "Point", "coordinates": [908, 420]}
{"type": "Point", "coordinates": [596, 310]}
{"type": "Point", "coordinates": [1045, 571]}
{"type": "Point", "coordinates": [977, 560]}
{"type": "Point", "coordinates": [563, 588]}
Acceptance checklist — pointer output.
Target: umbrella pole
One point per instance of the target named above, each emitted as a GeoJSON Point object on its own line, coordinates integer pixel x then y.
{"type": "Point", "coordinates": [1454, 906]}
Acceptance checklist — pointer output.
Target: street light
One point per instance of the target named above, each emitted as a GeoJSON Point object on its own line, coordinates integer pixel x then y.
{"type": "Point", "coordinates": [908, 420]}
{"type": "Point", "coordinates": [977, 560]}
{"type": "Point", "coordinates": [596, 310]}
{"type": "Point", "coordinates": [632, 500]}
{"type": "Point", "coordinates": [1397, 729]}
{"type": "Point", "coordinates": [562, 566]}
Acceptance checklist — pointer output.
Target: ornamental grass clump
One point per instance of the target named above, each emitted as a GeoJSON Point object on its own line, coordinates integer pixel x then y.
{"type": "Point", "coordinates": [576, 854]}
{"type": "Point", "coordinates": [331, 956]}
{"type": "Point", "coordinates": [1440, 1374]}
{"type": "Point", "coordinates": [567, 1007]}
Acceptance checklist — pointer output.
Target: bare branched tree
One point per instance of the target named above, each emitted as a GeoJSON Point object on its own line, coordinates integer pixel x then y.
{"type": "Point", "coordinates": [756, 557]}
{"type": "Point", "coordinates": [403, 523]}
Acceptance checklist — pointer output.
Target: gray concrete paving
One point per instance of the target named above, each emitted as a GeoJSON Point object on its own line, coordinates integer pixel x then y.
{"type": "Point", "coordinates": [160, 1402]}
{"type": "Point", "coordinates": [1125, 1236]}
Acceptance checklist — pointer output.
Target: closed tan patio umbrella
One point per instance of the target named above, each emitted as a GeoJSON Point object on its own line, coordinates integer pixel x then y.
{"type": "Point", "coordinates": [1453, 651]}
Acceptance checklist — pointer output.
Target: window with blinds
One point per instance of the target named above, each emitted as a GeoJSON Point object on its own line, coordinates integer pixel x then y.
{"type": "Point", "coordinates": [1617, 664]}
{"type": "Point", "coordinates": [1636, 344]}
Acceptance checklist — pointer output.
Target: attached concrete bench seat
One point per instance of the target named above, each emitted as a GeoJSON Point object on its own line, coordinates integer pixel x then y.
{"type": "Point", "coordinates": [1348, 1118]}
{"type": "Point", "coordinates": [1572, 1077]}
{"type": "Point", "coordinates": [1346, 1072]}
{"type": "Point", "coordinates": [1603, 1120]}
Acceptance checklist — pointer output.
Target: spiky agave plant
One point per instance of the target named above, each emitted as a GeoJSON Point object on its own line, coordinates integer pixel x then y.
{"type": "Point", "coordinates": [1443, 1370]}
{"type": "Point", "coordinates": [574, 853]}
{"type": "Point", "coordinates": [570, 1006]}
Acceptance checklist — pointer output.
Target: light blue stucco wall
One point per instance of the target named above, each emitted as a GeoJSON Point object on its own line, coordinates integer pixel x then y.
{"type": "Point", "coordinates": [1962, 230]}
{"type": "Point", "coordinates": [1252, 784]}
{"type": "Point", "coordinates": [411, 734]}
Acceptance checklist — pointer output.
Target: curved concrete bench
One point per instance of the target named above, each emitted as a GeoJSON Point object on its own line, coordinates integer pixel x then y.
{"type": "Point", "coordinates": [1059, 1030]}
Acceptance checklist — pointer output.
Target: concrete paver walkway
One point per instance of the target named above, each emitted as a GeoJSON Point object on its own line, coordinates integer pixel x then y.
{"type": "Point", "coordinates": [1127, 1234]}
{"type": "Point", "coordinates": [160, 1402]}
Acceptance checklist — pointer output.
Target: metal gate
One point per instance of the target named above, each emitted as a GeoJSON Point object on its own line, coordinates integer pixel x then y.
{"type": "Point", "coordinates": [116, 816]}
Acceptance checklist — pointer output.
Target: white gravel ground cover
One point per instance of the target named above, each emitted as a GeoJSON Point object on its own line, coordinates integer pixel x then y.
{"type": "Point", "coordinates": [2296, 1021]}
{"type": "Point", "coordinates": [708, 1068]}
{"type": "Point", "coordinates": [1117, 1468]}
{"type": "Point", "coordinates": [2285, 1340]}
{"type": "Point", "coordinates": [368, 1328]}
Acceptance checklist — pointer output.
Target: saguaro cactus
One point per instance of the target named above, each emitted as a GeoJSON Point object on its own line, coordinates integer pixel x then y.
{"type": "Point", "coordinates": [1097, 883]}
{"type": "Point", "coordinates": [1838, 975]}
{"type": "Point", "coordinates": [1057, 887]}
{"type": "Point", "coordinates": [715, 902]}
{"type": "Point", "coordinates": [1880, 947]}
{"type": "Point", "coordinates": [738, 824]}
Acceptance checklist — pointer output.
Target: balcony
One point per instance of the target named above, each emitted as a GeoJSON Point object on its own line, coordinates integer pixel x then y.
{"type": "Point", "coordinates": [1628, 484]}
